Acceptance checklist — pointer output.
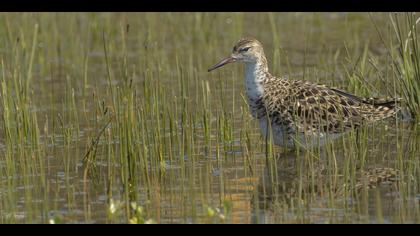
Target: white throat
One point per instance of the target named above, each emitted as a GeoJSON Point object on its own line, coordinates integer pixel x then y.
{"type": "Point", "coordinates": [254, 75]}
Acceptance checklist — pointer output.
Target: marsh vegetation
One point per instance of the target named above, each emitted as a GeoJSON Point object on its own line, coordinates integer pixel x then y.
{"type": "Point", "coordinates": [113, 118]}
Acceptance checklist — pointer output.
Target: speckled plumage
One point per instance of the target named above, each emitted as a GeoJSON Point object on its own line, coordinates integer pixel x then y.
{"type": "Point", "coordinates": [301, 111]}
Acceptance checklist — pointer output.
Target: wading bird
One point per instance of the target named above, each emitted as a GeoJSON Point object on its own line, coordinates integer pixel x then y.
{"type": "Point", "coordinates": [301, 112]}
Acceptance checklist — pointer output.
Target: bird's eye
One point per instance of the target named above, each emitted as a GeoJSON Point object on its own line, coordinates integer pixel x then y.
{"type": "Point", "coordinates": [244, 49]}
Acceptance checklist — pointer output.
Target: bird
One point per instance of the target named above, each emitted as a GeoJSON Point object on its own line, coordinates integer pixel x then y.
{"type": "Point", "coordinates": [299, 112]}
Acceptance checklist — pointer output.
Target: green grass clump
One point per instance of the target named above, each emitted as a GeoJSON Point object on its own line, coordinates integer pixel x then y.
{"type": "Point", "coordinates": [408, 61]}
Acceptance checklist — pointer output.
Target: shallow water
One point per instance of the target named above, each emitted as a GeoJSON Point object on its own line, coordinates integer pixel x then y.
{"type": "Point", "coordinates": [181, 143]}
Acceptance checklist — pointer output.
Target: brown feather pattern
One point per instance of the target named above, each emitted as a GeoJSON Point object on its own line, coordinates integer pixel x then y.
{"type": "Point", "coordinates": [302, 107]}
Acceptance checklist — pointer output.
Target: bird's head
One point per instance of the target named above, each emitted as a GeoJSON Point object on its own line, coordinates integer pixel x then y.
{"type": "Point", "coordinates": [246, 50]}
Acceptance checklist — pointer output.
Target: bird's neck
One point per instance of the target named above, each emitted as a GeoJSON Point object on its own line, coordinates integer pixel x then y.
{"type": "Point", "coordinates": [256, 74]}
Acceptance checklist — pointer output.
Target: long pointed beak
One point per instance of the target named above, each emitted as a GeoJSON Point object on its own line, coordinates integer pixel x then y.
{"type": "Point", "coordinates": [223, 62]}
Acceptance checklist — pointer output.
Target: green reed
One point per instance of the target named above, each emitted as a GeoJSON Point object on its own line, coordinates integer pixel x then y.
{"type": "Point", "coordinates": [406, 59]}
{"type": "Point", "coordinates": [23, 148]}
{"type": "Point", "coordinates": [114, 118]}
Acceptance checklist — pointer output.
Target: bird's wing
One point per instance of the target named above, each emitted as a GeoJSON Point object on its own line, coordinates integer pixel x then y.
{"type": "Point", "coordinates": [317, 109]}
{"type": "Point", "coordinates": [387, 102]}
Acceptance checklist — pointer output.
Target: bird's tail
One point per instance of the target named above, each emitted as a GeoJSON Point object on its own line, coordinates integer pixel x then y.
{"type": "Point", "coordinates": [391, 103]}
{"type": "Point", "coordinates": [378, 108]}
{"type": "Point", "coordinates": [382, 108]}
